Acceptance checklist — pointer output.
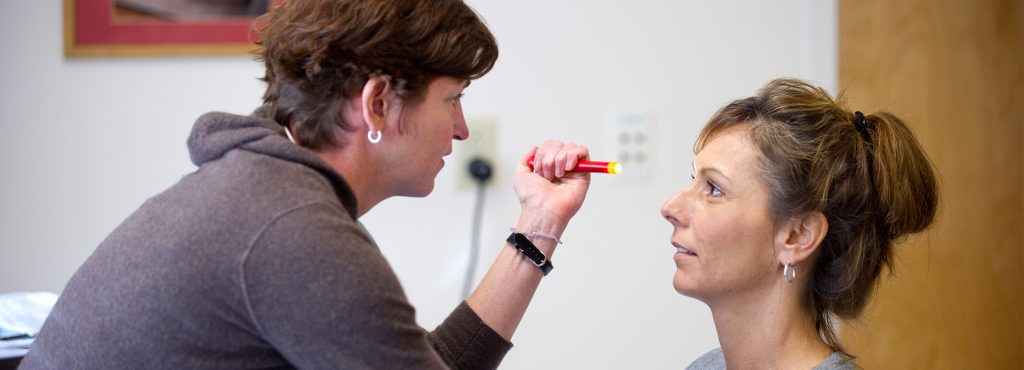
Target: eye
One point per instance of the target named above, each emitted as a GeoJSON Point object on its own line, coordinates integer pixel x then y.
{"type": "Point", "coordinates": [457, 98]}
{"type": "Point", "coordinates": [713, 190]}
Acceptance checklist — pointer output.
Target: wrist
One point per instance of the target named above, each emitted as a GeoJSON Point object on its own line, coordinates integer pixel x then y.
{"type": "Point", "coordinates": [536, 234]}
{"type": "Point", "coordinates": [538, 225]}
{"type": "Point", "coordinates": [540, 221]}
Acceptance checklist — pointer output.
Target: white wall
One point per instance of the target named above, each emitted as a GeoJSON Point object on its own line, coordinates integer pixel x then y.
{"type": "Point", "coordinates": [85, 141]}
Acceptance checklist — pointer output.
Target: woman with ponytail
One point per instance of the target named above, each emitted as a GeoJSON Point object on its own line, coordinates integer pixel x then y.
{"type": "Point", "coordinates": [795, 205]}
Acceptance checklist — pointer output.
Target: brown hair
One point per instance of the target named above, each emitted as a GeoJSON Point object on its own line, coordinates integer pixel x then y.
{"type": "Point", "coordinates": [874, 184]}
{"type": "Point", "coordinates": [318, 52]}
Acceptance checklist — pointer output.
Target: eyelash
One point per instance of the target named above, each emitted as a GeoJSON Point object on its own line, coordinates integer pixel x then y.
{"type": "Point", "coordinates": [712, 187]}
{"type": "Point", "coordinates": [457, 98]}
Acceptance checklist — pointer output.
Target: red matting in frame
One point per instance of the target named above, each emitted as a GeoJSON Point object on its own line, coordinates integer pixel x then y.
{"type": "Point", "coordinates": [90, 30]}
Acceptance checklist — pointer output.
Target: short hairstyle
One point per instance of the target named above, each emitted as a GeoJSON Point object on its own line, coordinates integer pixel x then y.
{"type": "Point", "coordinates": [319, 52]}
{"type": "Point", "coordinates": [873, 183]}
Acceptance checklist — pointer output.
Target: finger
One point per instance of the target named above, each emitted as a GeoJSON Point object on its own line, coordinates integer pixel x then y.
{"type": "Point", "coordinates": [578, 154]}
{"type": "Point", "coordinates": [538, 157]}
{"type": "Point", "coordinates": [560, 163]}
{"type": "Point", "coordinates": [548, 152]}
{"type": "Point", "coordinates": [548, 167]}
{"type": "Point", "coordinates": [561, 160]}
{"type": "Point", "coordinates": [572, 159]}
{"type": "Point", "coordinates": [524, 163]}
{"type": "Point", "coordinates": [575, 156]}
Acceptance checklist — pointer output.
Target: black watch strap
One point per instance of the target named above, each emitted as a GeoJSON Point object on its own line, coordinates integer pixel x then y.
{"type": "Point", "coordinates": [523, 244]}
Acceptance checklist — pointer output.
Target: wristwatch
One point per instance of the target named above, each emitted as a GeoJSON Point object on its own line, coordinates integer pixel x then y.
{"type": "Point", "coordinates": [523, 244]}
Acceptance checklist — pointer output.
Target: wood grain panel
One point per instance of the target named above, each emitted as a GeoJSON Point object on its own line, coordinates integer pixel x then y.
{"type": "Point", "coordinates": [955, 71]}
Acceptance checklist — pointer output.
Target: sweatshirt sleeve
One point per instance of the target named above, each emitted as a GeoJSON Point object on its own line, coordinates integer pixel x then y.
{"type": "Point", "coordinates": [464, 341]}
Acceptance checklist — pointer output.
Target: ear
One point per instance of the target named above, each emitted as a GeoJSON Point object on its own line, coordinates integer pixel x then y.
{"type": "Point", "coordinates": [376, 100]}
{"type": "Point", "coordinates": [800, 236]}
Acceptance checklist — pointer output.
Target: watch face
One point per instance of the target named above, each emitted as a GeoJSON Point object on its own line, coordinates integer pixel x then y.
{"type": "Point", "coordinates": [529, 250]}
{"type": "Point", "coordinates": [523, 244]}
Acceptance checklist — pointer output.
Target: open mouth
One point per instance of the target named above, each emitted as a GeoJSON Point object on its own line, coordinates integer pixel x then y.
{"type": "Point", "coordinates": [683, 250]}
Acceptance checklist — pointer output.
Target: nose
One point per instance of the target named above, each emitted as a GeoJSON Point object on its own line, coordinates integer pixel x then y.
{"type": "Point", "coordinates": [674, 209]}
{"type": "Point", "coordinates": [461, 129]}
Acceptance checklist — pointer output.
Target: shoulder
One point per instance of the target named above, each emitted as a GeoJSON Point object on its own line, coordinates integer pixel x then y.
{"type": "Point", "coordinates": [316, 231]}
{"type": "Point", "coordinates": [713, 360]}
{"type": "Point", "coordinates": [317, 258]}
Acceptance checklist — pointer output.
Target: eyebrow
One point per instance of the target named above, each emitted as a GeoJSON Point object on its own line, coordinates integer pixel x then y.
{"type": "Point", "coordinates": [706, 170]}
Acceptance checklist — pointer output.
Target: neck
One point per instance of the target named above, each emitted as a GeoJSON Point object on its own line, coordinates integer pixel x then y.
{"type": "Point", "coordinates": [358, 169]}
{"type": "Point", "coordinates": [768, 330]}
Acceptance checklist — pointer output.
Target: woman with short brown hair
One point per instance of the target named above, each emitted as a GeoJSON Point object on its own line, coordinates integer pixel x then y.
{"type": "Point", "coordinates": [258, 260]}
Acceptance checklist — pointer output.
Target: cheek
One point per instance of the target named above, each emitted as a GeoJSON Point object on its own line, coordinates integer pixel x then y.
{"type": "Point", "coordinates": [715, 233]}
{"type": "Point", "coordinates": [735, 244]}
{"type": "Point", "coordinates": [438, 126]}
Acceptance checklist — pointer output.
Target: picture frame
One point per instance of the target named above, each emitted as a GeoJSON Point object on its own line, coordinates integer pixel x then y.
{"type": "Point", "coordinates": [114, 28]}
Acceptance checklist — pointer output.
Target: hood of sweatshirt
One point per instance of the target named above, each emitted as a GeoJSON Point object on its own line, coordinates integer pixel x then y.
{"type": "Point", "coordinates": [217, 133]}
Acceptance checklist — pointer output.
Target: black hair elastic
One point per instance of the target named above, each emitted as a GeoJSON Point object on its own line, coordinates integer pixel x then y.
{"type": "Point", "coordinates": [862, 126]}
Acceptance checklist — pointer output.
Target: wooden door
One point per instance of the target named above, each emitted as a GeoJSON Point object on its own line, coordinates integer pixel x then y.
{"type": "Point", "coordinates": [954, 69]}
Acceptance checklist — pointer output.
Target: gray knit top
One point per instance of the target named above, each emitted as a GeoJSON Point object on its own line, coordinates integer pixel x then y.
{"type": "Point", "coordinates": [715, 360]}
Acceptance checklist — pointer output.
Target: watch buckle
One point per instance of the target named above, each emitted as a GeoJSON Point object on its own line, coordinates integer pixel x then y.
{"type": "Point", "coordinates": [543, 259]}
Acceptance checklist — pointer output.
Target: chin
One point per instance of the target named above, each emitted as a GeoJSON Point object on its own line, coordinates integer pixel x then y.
{"type": "Point", "coordinates": [685, 285]}
{"type": "Point", "coordinates": [428, 189]}
{"type": "Point", "coordinates": [420, 192]}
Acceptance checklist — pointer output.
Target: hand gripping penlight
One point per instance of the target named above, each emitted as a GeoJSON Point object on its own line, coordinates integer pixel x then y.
{"type": "Point", "coordinates": [611, 168]}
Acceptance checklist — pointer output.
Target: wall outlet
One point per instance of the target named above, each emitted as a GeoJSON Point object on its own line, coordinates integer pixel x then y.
{"type": "Point", "coordinates": [631, 143]}
{"type": "Point", "coordinates": [482, 143]}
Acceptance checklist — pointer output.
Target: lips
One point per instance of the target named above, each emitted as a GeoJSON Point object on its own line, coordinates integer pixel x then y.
{"type": "Point", "coordinates": [683, 250]}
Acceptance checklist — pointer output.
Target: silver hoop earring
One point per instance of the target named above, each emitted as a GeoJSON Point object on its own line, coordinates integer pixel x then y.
{"type": "Point", "coordinates": [369, 136]}
{"type": "Point", "coordinates": [291, 138]}
{"type": "Point", "coordinates": [789, 272]}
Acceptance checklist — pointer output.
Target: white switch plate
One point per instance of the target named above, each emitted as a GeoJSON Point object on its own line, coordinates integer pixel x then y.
{"type": "Point", "coordinates": [482, 143]}
{"type": "Point", "coordinates": [631, 143]}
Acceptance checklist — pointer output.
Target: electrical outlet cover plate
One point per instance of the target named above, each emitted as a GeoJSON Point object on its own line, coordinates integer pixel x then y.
{"type": "Point", "coordinates": [631, 143]}
{"type": "Point", "coordinates": [482, 143]}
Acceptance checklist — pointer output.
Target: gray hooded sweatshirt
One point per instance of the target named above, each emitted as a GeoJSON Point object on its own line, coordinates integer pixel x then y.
{"type": "Point", "coordinates": [255, 260]}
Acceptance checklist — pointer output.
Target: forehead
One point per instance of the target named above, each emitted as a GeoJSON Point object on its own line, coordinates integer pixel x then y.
{"type": "Point", "coordinates": [445, 83]}
{"type": "Point", "coordinates": [732, 152]}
